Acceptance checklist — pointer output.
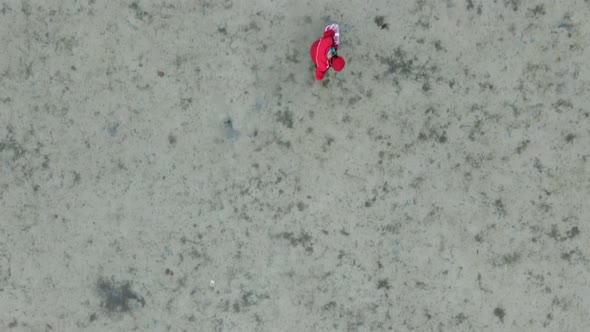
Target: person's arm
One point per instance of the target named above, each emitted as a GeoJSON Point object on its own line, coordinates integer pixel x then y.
{"type": "Point", "coordinates": [319, 75]}
{"type": "Point", "coordinates": [330, 32]}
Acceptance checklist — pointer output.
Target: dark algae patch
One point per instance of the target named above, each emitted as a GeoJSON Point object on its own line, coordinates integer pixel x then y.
{"type": "Point", "coordinates": [513, 4]}
{"type": "Point", "coordinates": [383, 283]}
{"type": "Point", "coordinates": [10, 146]}
{"type": "Point", "coordinates": [303, 239]}
{"type": "Point", "coordinates": [522, 146]}
{"type": "Point", "coordinates": [285, 118]}
{"type": "Point", "coordinates": [380, 21]}
{"type": "Point", "coordinates": [557, 236]}
{"type": "Point", "coordinates": [117, 296]}
{"type": "Point", "coordinates": [400, 63]}
{"type": "Point", "coordinates": [500, 313]}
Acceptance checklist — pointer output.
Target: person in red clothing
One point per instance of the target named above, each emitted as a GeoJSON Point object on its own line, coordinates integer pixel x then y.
{"type": "Point", "coordinates": [324, 52]}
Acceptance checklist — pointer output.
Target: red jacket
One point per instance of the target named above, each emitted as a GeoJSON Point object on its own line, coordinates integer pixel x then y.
{"type": "Point", "coordinates": [319, 53]}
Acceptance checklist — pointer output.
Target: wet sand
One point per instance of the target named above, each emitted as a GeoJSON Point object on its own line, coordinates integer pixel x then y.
{"type": "Point", "coordinates": [174, 166]}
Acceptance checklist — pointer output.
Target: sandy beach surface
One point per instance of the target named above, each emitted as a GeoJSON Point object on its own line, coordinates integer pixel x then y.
{"type": "Point", "coordinates": [175, 166]}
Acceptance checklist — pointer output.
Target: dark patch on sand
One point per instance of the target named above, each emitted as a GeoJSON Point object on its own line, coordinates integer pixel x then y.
{"type": "Point", "coordinates": [512, 4]}
{"type": "Point", "coordinates": [303, 239]}
{"type": "Point", "coordinates": [500, 313]}
{"type": "Point", "coordinates": [522, 146]}
{"type": "Point", "coordinates": [383, 283]}
{"type": "Point", "coordinates": [117, 297]}
{"type": "Point", "coordinates": [171, 139]}
{"type": "Point", "coordinates": [285, 118]}
{"type": "Point", "coordinates": [570, 234]}
{"type": "Point", "coordinates": [380, 21]}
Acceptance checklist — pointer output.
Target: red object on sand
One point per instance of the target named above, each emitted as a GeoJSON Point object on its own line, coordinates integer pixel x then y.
{"type": "Point", "coordinates": [319, 54]}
